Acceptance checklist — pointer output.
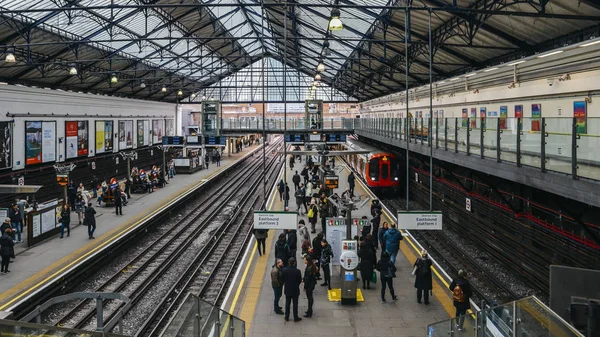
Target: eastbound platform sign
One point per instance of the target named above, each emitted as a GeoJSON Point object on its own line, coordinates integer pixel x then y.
{"type": "Point", "coordinates": [420, 220]}
{"type": "Point", "coordinates": [275, 220]}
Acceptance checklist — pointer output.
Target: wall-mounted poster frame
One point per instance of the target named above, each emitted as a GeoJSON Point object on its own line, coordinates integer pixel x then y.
{"type": "Point", "coordinates": [169, 127]}
{"type": "Point", "coordinates": [158, 130]}
{"type": "Point", "coordinates": [6, 149]}
{"type": "Point", "coordinates": [580, 114]}
{"type": "Point", "coordinates": [76, 139]}
{"type": "Point", "coordinates": [465, 116]}
{"type": "Point", "coordinates": [503, 113]}
{"type": "Point", "coordinates": [139, 133]}
{"type": "Point", "coordinates": [473, 117]}
{"type": "Point", "coordinates": [441, 117]}
{"type": "Point", "coordinates": [482, 113]}
{"type": "Point", "coordinates": [40, 142]}
{"type": "Point", "coordinates": [536, 116]}
{"type": "Point", "coordinates": [518, 111]}
{"type": "Point", "coordinates": [125, 134]}
{"type": "Point", "coordinates": [104, 136]}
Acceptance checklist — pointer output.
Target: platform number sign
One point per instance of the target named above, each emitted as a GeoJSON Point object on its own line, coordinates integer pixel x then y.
{"type": "Point", "coordinates": [468, 204]}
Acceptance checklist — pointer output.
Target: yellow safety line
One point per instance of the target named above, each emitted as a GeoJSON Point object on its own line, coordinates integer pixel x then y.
{"type": "Point", "coordinates": [30, 284]}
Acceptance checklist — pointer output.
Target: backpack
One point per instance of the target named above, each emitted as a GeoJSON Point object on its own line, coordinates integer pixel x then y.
{"type": "Point", "coordinates": [457, 294]}
{"type": "Point", "coordinates": [311, 212]}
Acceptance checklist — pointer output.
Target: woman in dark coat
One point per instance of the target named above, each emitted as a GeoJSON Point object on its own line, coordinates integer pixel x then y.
{"type": "Point", "coordinates": [387, 271]}
{"type": "Point", "coordinates": [423, 278]}
{"type": "Point", "coordinates": [65, 219]}
{"type": "Point", "coordinates": [310, 281]}
{"type": "Point", "coordinates": [6, 249]}
{"type": "Point", "coordinates": [368, 259]}
{"type": "Point", "coordinates": [282, 251]}
{"type": "Point", "coordinates": [90, 220]}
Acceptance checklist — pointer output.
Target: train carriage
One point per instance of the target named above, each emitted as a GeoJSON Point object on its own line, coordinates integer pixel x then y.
{"type": "Point", "coordinates": [379, 169]}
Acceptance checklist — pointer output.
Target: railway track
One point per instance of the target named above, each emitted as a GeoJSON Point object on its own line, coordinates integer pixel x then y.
{"type": "Point", "coordinates": [193, 249]}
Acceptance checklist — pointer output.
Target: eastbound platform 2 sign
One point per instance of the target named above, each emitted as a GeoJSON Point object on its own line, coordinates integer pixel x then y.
{"type": "Point", "coordinates": [420, 220]}
{"type": "Point", "coordinates": [275, 220]}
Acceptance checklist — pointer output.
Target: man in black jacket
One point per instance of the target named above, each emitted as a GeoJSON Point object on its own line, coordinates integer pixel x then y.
{"type": "Point", "coordinates": [277, 284]}
{"type": "Point", "coordinates": [292, 242]}
{"type": "Point", "coordinates": [292, 277]}
{"type": "Point", "coordinates": [296, 181]}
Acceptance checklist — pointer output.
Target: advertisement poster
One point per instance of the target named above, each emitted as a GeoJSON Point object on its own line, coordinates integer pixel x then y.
{"type": "Point", "coordinates": [503, 112]}
{"type": "Point", "coordinates": [100, 137]}
{"type": "Point", "coordinates": [465, 115]}
{"type": "Point", "coordinates": [140, 133]}
{"type": "Point", "coordinates": [473, 117]}
{"type": "Point", "coordinates": [6, 148]}
{"type": "Point", "coordinates": [170, 127]}
{"type": "Point", "coordinates": [129, 134]}
{"type": "Point", "coordinates": [518, 111]}
{"type": "Point", "coordinates": [158, 126]}
{"type": "Point", "coordinates": [441, 117]}
{"type": "Point", "coordinates": [76, 139]}
{"type": "Point", "coordinates": [40, 143]}
{"type": "Point", "coordinates": [108, 136]}
{"type": "Point", "coordinates": [48, 142]}
{"type": "Point", "coordinates": [121, 135]}
{"type": "Point", "coordinates": [104, 136]}
{"type": "Point", "coordinates": [146, 132]}
{"type": "Point", "coordinates": [536, 115]}
{"type": "Point", "coordinates": [482, 112]}
{"type": "Point", "coordinates": [580, 114]}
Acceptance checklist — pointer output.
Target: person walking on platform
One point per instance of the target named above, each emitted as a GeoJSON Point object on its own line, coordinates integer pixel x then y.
{"type": "Point", "coordinates": [118, 201]}
{"type": "Point", "coordinates": [351, 179]}
{"type": "Point", "coordinates": [296, 181]}
{"type": "Point", "coordinates": [281, 189]}
{"type": "Point", "coordinates": [381, 235]}
{"type": "Point", "coordinates": [292, 277]}
{"type": "Point", "coordinates": [90, 220]}
{"type": "Point", "coordinates": [310, 281]}
{"type": "Point", "coordinates": [6, 249]}
{"type": "Point", "coordinates": [292, 242]}
{"type": "Point", "coordinates": [316, 253]}
{"type": "Point", "coordinates": [206, 160]}
{"type": "Point", "coordinates": [282, 251]}
{"type": "Point", "coordinates": [375, 221]}
{"type": "Point", "coordinates": [313, 213]}
{"type": "Point", "coordinates": [461, 294]}
{"type": "Point", "coordinates": [304, 174]}
{"type": "Point", "coordinates": [367, 263]}
{"type": "Point", "coordinates": [15, 221]}
{"type": "Point", "coordinates": [375, 208]}
{"type": "Point", "coordinates": [128, 188]}
{"type": "Point", "coordinates": [423, 278]}
{"type": "Point", "coordinates": [79, 207]}
{"type": "Point", "coordinates": [392, 242]}
{"type": "Point", "coordinates": [65, 219]}
{"type": "Point", "coordinates": [277, 284]}
{"type": "Point", "coordinates": [286, 195]}
{"type": "Point", "coordinates": [387, 272]}
{"type": "Point", "coordinates": [261, 236]}
{"type": "Point", "coordinates": [218, 158]}
{"type": "Point", "coordinates": [292, 162]}
{"type": "Point", "coordinates": [326, 255]}
{"type": "Point", "coordinates": [72, 192]}
{"type": "Point", "coordinates": [299, 195]}
{"type": "Point", "coordinates": [303, 231]}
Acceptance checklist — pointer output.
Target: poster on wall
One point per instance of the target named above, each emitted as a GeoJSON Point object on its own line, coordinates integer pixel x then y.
{"type": "Point", "coordinates": [40, 144]}
{"type": "Point", "coordinates": [473, 117]}
{"type": "Point", "coordinates": [158, 127]}
{"type": "Point", "coordinates": [140, 133]}
{"type": "Point", "coordinates": [441, 117]}
{"type": "Point", "coordinates": [129, 134]}
{"type": "Point", "coordinates": [6, 146]}
{"type": "Point", "coordinates": [536, 115]}
{"type": "Point", "coordinates": [170, 127]}
{"type": "Point", "coordinates": [580, 114]}
{"type": "Point", "coordinates": [104, 136]}
{"type": "Point", "coordinates": [121, 135]}
{"type": "Point", "coordinates": [76, 139]}
{"type": "Point", "coordinates": [503, 111]}
{"type": "Point", "coordinates": [147, 132]}
{"type": "Point", "coordinates": [482, 112]}
{"type": "Point", "coordinates": [465, 115]}
{"type": "Point", "coordinates": [518, 111]}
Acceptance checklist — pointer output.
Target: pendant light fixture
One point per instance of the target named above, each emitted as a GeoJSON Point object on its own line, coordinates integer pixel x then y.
{"type": "Point", "coordinates": [143, 85]}
{"type": "Point", "coordinates": [335, 23]}
{"type": "Point", "coordinates": [73, 70]}
{"type": "Point", "coordinates": [321, 67]}
{"type": "Point", "coordinates": [164, 89]}
{"type": "Point", "coordinates": [180, 92]}
{"type": "Point", "coordinates": [318, 77]}
{"type": "Point", "coordinates": [10, 56]}
{"type": "Point", "coordinates": [114, 78]}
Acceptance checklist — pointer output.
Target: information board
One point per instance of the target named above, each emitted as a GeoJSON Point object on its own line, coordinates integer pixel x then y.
{"type": "Point", "coordinates": [215, 141]}
{"type": "Point", "coordinates": [336, 138]}
{"type": "Point", "coordinates": [295, 138]}
{"type": "Point", "coordinates": [336, 233]}
{"type": "Point", "coordinates": [48, 220]}
{"type": "Point", "coordinates": [420, 220]}
{"type": "Point", "coordinates": [173, 140]}
{"type": "Point", "coordinates": [332, 181]}
{"type": "Point", "coordinates": [275, 220]}
{"type": "Point", "coordinates": [36, 225]}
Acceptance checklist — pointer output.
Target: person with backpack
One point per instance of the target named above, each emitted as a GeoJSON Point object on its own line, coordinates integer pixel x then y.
{"type": "Point", "coordinates": [304, 174]}
{"type": "Point", "coordinates": [423, 278]}
{"type": "Point", "coordinates": [461, 294]}
{"type": "Point", "coordinates": [282, 251]}
{"type": "Point", "coordinates": [281, 189]}
{"type": "Point", "coordinates": [326, 255]}
{"type": "Point", "coordinates": [313, 213]}
{"type": "Point", "coordinates": [387, 272]}
{"type": "Point", "coordinates": [392, 242]}
{"type": "Point", "coordinates": [300, 200]}
{"type": "Point", "coordinates": [296, 181]}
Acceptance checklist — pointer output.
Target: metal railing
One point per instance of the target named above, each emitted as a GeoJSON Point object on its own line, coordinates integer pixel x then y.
{"type": "Point", "coordinates": [565, 145]}
{"type": "Point", "coordinates": [17, 328]}
{"type": "Point", "coordinates": [277, 124]}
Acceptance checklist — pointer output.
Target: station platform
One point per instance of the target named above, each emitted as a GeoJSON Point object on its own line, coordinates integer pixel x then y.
{"type": "Point", "coordinates": [38, 266]}
{"type": "Point", "coordinates": [252, 295]}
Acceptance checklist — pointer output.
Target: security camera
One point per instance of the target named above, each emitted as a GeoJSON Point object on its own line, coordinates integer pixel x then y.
{"type": "Point", "coordinates": [550, 81]}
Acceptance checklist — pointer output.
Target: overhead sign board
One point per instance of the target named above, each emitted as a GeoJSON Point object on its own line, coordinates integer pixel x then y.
{"type": "Point", "coordinates": [275, 220]}
{"type": "Point", "coordinates": [215, 141]}
{"type": "Point", "coordinates": [420, 220]}
{"type": "Point", "coordinates": [332, 181]}
{"type": "Point", "coordinates": [336, 138]}
{"type": "Point", "coordinates": [295, 138]}
{"type": "Point", "coordinates": [173, 140]}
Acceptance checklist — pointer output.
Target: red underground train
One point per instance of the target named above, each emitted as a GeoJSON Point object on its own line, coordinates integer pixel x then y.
{"type": "Point", "coordinates": [379, 169]}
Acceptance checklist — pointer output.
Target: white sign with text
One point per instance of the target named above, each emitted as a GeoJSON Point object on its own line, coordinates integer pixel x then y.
{"type": "Point", "coordinates": [420, 220]}
{"type": "Point", "coordinates": [275, 220]}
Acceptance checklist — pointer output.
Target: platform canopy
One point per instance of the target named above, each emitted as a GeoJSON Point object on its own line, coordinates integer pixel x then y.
{"type": "Point", "coordinates": [175, 50]}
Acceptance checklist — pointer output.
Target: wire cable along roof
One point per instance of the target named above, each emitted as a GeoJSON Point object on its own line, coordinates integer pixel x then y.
{"type": "Point", "coordinates": [336, 50]}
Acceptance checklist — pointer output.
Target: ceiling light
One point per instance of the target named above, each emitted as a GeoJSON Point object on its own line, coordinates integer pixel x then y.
{"type": "Point", "coordinates": [180, 92]}
{"type": "Point", "coordinates": [314, 87]}
{"type": "Point", "coordinates": [315, 83]}
{"type": "Point", "coordinates": [143, 85]}
{"type": "Point", "coordinates": [515, 63]}
{"type": "Point", "coordinates": [321, 67]}
{"type": "Point", "coordinates": [73, 70]}
{"type": "Point", "coordinates": [590, 43]}
{"type": "Point", "coordinates": [203, 97]}
{"type": "Point", "coordinates": [335, 23]}
{"type": "Point", "coordinates": [114, 79]}
{"type": "Point", "coordinates": [550, 54]}
{"type": "Point", "coordinates": [193, 96]}
{"type": "Point", "coordinates": [164, 89]}
{"type": "Point", "coordinates": [471, 74]}
{"type": "Point", "coordinates": [318, 77]}
{"type": "Point", "coordinates": [10, 56]}
{"type": "Point", "coordinates": [490, 69]}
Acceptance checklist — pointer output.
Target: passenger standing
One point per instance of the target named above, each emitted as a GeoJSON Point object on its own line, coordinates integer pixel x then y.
{"type": "Point", "coordinates": [6, 249]}
{"type": "Point", "coordinates": [292, 242]}
{"type": "Point", "coordinates": [461, 294]}
{"type": "Point", "coordinates": [72, 192]}
{"type": "Point", "coordinates": [286, 195]}
{"type": "Point", "coordinates": [292, 162]}
{"type": "Point", "coordinates": [310, 281]}
{"type": "Point", "coordinates": [304, 174]}
{"type": "Point", "coordinates": [22, 204]}
{"type": "Point", "coordinates": [15, 221]}
{"type": "Point", "coordinates": [381, 235]}
{"type": "Point", "coordinates": [303, 231]}
{"type": "Point", "coordinates": [367, 263]}
{"type": "Point", "coordinates": [79, 207]}
{"type": "Point", "coordinates": [206, 160]}
{"type": "Point", "coordinates": [90, 220]}
{"type": "Point", "coordinates": [261, 237]}
{"type": "Point", "coordinates": [387, 271]}
{"type": "Point", "coordinates": [423, 278]}
{"type": "Point", "coordinates": [128, 187]}
{"type": "Point", "coordinates": [351, 179]}
{"type": "Point", "coordinates": [375, 208]}
{"type": "Point", "coordinates": [392, 242]}
{"type": "Point", "coordinates": [118, 201]}
{"type": "Point", "coordinates": [281, 189]}
{"type": "Point", "coordinates": [326, 255]}
{"type": "Point", "coordinates": [292, 277]}
{"type": "Point", "coordinates": [375, 222]}
{"type": "Point", "coordinates": [313, 213]}
{"type": "Point", "coordinates": [299, 195]}
{"type": "Point", "coordinates": [316, 253]}
{"type": "Point", "coordinates": [65, 219]}
{"type": "Point", "coordinates": [5, 225]}
{"type": "Point", "coordinates": [218, 158]}
{"type": "Point", "coordinates": [282, 250]}
{"type": "Point", "coordinates": [296, 181]}
{"type": "Point", "coordinates": [277, 284]}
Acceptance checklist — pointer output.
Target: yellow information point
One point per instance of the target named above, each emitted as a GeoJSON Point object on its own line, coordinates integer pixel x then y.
{"type": "Point", "coordinates": [335, 295]}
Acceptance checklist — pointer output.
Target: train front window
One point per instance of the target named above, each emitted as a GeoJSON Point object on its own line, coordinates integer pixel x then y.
{"type": "Point", "coordinates": [395, 169]}
{"type": "Point", "coordinates": [385, 171]}
{"type": "Point", "coordinates": [374, 169]}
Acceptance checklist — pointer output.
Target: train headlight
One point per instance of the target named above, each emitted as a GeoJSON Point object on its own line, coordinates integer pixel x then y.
{"type": "Point", "coordinates": [396, 178]}
{"type": "Point", "coordinates": [373, 178]}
